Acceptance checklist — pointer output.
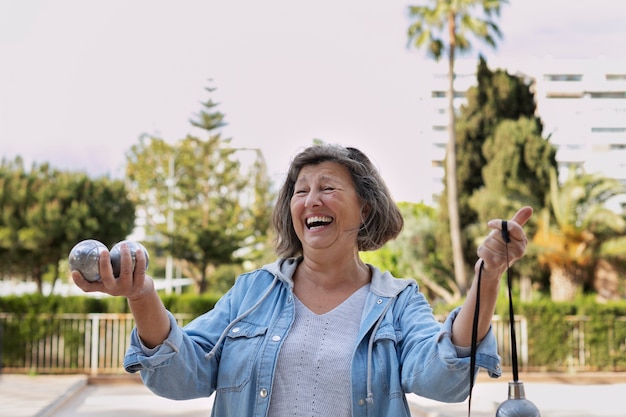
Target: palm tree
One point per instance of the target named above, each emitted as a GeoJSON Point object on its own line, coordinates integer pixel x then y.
{"type": "Point", "coordinates": [429, 30]}
{"type": "Point", "coordinates": [578, 230]}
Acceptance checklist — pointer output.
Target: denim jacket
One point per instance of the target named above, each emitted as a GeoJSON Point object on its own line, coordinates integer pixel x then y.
{"type": "Point", "coordinates": [232, 350]}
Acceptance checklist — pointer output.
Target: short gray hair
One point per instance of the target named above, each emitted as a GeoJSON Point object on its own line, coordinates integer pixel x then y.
{"type": "Point", "coordinates": [384, 221]}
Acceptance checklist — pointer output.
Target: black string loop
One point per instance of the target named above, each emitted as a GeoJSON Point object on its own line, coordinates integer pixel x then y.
{"type": "Point", "coordinates": [474, 337]}
{"type": "Point", "coordinates": [505, 232]}
{"type": "Point", "coordinates": [507, 239]}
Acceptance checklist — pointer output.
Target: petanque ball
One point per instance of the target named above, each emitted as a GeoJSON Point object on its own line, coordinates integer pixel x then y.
{"type": "Point", "coordinates": [84, 257]}
{"type": "Point", "coordinates": [116, 258]}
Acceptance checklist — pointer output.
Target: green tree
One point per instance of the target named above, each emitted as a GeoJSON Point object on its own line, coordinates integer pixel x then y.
{"type": "Point", "coordinates": [451, 23]}
{"type": "Point", "coordinates": [45, 212]}
{"type": "Point", "coordinates": [414, 253]}
{"type": "Point", "coordinates": [500, 112]}
{"type": "Point", "coordinates": [516, 174]}
{"type": "Point", "coordinates": [497, 97]}
{"type": "Point", "coordinates": [578, 230]}
{"type": "Point", "coordinates": [502, 161]}
{"type": "Point", "coordinates": [218, 211]}
{"type": "Point", "coordinates": [517, 170]}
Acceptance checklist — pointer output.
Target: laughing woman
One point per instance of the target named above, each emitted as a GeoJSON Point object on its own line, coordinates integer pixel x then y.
{"type": "Point", "coordinates": [318, 332]}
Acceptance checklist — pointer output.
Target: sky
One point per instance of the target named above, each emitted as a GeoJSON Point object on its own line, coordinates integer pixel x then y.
{"type": "Point", "coordinates": [81, 81]}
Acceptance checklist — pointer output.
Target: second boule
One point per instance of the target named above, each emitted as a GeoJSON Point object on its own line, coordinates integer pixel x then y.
{"type": "Point", "coordinates": [84, 258]}
{"type": "Point", "coordinates": [116, 258]}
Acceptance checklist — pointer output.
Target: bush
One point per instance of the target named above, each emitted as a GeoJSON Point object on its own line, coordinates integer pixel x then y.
{"type": "Point", "coordinates": [56, 304]}
{"type": "Point", "coordinates": [555, 330]}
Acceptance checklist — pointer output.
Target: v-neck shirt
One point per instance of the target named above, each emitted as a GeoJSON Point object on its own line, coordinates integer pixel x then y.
{"type": "Point", "coordinates": [313, 372]}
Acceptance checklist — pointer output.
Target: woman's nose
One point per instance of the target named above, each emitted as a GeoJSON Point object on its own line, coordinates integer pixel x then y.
{"type": "Point", "coordinates": [312, 199]}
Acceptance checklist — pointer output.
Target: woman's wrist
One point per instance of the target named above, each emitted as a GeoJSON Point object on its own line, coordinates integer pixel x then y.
{"type": "Point", "coordinates": [147, 292]}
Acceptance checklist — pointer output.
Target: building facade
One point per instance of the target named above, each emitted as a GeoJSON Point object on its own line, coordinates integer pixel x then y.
{"type": "Point", "coordinates": [582, 104]}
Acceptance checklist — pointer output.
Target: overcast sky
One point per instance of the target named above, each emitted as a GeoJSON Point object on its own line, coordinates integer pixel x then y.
{"type": "Point", "coordinates": [81, 81]}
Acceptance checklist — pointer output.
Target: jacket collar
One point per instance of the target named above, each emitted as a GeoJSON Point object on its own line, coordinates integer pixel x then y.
{"type": "Point", "coordinates": [383, 283]}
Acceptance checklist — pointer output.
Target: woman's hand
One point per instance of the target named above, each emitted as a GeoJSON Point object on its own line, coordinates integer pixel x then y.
{"type": "Point", "coordinates": [133, 284]}
{"type": "Point", "coordinates": [493, 250]}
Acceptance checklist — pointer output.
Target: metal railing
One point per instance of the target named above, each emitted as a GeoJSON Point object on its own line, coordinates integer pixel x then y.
{"type": "Point", "coordinates": [67, 343]}
{"type": "Point", "coordinates": [96, 343]}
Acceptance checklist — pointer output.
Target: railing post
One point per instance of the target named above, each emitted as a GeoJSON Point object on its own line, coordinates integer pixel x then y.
{"type": "Point", "coordinates": [1, 343]}
{"type": "Point", "coordinates": [524, 341]}
{"type": "Point", "coordinates": [581, 342]}
{"type": "Point", "coordinates": [95, 342]}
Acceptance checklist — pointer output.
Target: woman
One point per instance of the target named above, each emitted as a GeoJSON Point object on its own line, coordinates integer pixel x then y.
{"type": "Point", "coordinates": [318, 332]}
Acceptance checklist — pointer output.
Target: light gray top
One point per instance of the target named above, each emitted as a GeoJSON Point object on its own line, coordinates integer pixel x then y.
{"type": "Point", "coordinates": [314, 364]}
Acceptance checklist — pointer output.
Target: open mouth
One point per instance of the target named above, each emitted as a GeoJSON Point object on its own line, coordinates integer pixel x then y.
{"type": "Point", "coordinates": [317, 222]}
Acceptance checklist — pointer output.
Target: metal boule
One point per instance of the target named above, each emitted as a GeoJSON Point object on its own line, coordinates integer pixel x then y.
{"type": "Point", "coordinates": [517, 405]}
{"type": "Point", "coordinates": [116, 255]}
{"type": "Point", "coordinates": [84, 258]}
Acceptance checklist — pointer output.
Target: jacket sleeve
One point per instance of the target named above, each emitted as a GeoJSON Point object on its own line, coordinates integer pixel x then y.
{"type": "Point", "coordinates": [431, 365]}
{"type": "Point", "coordinates": [180, 368]}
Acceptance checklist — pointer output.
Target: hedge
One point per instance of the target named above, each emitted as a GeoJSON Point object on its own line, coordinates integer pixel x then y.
{"type": "Point", "coordinates": [590, 335]}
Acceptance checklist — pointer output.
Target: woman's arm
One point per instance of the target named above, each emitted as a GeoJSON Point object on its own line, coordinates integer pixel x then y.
{"type": "Point", "coordinates": [151, 318]}
{"type": "Point", "coordinates": [493, 258]}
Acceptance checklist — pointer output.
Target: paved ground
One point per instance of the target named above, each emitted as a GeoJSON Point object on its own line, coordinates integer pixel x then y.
{"type": "Point", "coordinates": [552, 400]}
{"type": "Point", "coordinates": [583, 395]}
{"type": "Point", "coordinates": [36, 396]}
{"type": "Point", "coordinates": [129, 400]}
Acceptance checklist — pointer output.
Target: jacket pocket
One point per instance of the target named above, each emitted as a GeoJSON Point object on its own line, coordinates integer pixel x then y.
{"type": "Point", "coordinates": [239, 354]}
{"type": "Point", "coordinates": [386, 363]}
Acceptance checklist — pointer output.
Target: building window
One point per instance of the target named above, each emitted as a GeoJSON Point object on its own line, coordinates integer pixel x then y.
{"type": "Point", "coordinates": [443, 75]}
{"type": "Point", "coordinates": [563, 77]}
{"type": "Point", "coordinates": [608, 129]}
{"type": "Point", "coordinates": [607, 94]}
{"type": "Point", "coordinates": [443, 94]}
{"type": "Point", "coordinates": [616, 77]}
{"type": "Point", "coordinates": [563, 95]}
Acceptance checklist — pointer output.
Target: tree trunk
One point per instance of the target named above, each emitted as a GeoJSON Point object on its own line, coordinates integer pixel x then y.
{"type": "Point", "coordinates": [37, 276]}
{"type": "Point", "coordinates": [451, 180]}
{"type": "Point", "coordinates": [606, 280]}
{"type": "Point", "coordinates": [526, 288]}
{"type": "Point", "coordinates": [449, 296]}
{"type": "Point", "coordinates": [202, 284]}
{"type": "Point", "coordinates": [564, 284]}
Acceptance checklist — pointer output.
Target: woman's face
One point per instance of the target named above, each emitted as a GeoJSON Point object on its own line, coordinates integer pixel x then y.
{"type": "Point", "coordinates": [325, 208]}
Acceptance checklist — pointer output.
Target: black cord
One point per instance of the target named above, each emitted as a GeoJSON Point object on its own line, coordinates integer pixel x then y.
{"type": "Point", "coordinates": [509, 280]}
{"type": "Point", "coordinates": [507, 239]}
{"type": "Point", "coordinates": [474, 338]}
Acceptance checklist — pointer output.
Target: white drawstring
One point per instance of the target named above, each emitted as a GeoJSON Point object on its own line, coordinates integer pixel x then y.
{"type": "Point", "coordinates": [241, 317]}
{"type": "Point", "coordinates": [370, 349]}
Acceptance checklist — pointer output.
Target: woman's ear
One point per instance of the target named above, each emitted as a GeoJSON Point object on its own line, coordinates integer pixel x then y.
{"type": "Point", "coordinates": [365, 212]}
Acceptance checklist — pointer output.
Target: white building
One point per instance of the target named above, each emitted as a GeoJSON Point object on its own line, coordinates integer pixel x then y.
{"type": "Point", "coordinates": [582, 104]}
